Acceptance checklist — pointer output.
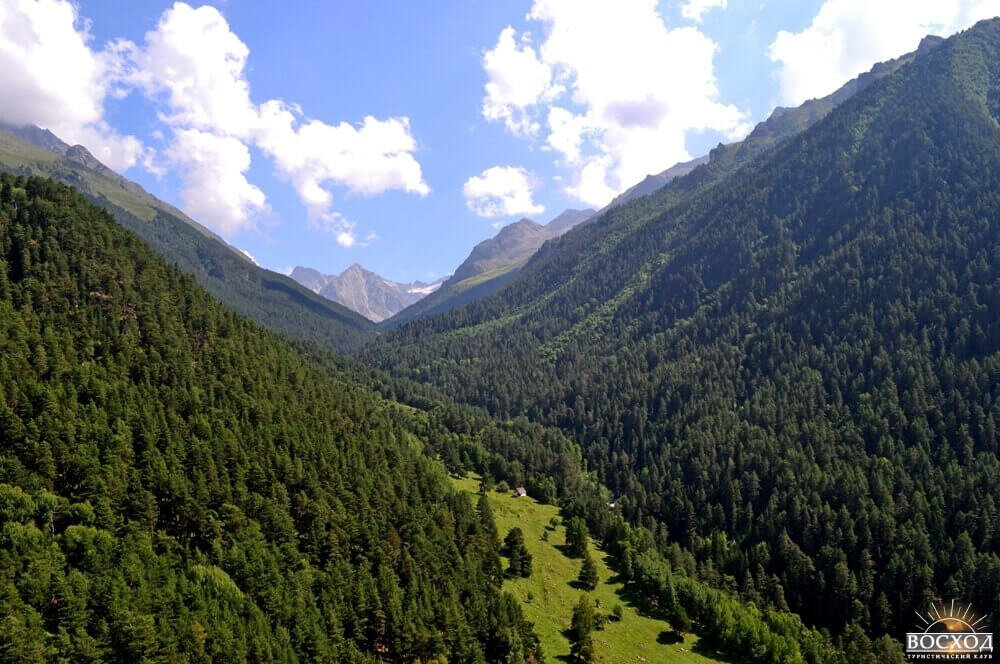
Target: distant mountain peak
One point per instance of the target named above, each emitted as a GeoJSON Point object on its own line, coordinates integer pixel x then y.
{"type": "Point", "coordinates": [493, 262]}
{"type": "Point", "coordinates": [358, 288]}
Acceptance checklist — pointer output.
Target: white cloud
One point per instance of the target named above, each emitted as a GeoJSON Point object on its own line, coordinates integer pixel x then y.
{"type": "Point", "coordinates": [193, 64]}
{"type": "Point", "coordinates": [517, 81]}
{"type": "Point", "coordinates": [502, 191]}
{"type": "Point", "coordinates": [370, 159]}
{"type": "Point", "coordinates": [622, 94]}
{"type": "Point", "coordinates": [50, 77]}
{"type": "Point", "coordinates": [696, 9]}
{"type": "Point", "coordinates": [846, 37]}
{"type": "Point", "coordinates": [215, 188]}
{"type": "Point", "coordinates": [196, 63]}
{"type": "Point", "coordinates": [340, 227]}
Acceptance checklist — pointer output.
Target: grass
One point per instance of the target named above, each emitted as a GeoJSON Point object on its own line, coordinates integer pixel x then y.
{"type": "Point", "coordinates": [548, 595]}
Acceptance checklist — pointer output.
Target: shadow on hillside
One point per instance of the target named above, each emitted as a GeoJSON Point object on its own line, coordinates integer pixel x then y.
{"type": "Point", "coordinates": [705, 650]}
{"type": "Point", "coordinates": [631, 599]}
{"type": "Point", "coordinates": [567, 552]}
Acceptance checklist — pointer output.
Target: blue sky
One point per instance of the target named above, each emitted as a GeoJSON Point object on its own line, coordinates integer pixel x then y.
{"type": "Point", "coordinates": [251, 116]}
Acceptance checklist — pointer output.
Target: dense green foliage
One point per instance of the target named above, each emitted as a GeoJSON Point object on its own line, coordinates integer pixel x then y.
{"type": "Point", "coordinates": [576, 537]}
{"type": "Point", "coordinates": [271, 299]}
{"type": "Point", "coordinates": [518, 557]}
{"type": "Point", "coordinates": [790, 368]}
{"type": "Point", "coordinates": [177, 484]}
{"type": "Point", "coordinates": [588, 573]}
{"type": "Point", "coordinates": [580, 629]}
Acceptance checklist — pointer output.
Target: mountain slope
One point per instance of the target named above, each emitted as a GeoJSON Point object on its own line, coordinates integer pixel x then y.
{"type": "Point", "coordinates": [551, 591]}
{"type": "Point", "coordinates": [791, 356]}
{"type": "Point", "coordinates": [567, 219]}
{"type": "Point", "coordinates": [177, 484]}
{"type": "Point", "coordinates": [271, 299]}
{"type": "Point", "coordinates": [720, 163]}
{"type": "Point", "coordinates": [653, 182]}
{"type": "Point", "coordinates": [491, 265]}
{"type": "Point", "coordinates": [374, 297]}
{"type": "Point", "coordinates": [514, 244]}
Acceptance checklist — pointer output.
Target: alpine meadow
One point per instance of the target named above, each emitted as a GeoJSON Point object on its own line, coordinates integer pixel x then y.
{"type": "Point", "coordinates": [350, 333]}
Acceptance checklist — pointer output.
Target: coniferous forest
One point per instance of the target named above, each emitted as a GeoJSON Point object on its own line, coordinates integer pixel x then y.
{"type": "Point", "coordinates": [177, 484]}
{"type": "Point", "coordinates": [791, 372]}
{"type": "Point", "coordinates": [769, 391]}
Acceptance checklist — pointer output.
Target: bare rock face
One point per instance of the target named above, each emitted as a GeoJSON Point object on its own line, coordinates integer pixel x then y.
{"type": "Point", "coordinates": [374, 297]}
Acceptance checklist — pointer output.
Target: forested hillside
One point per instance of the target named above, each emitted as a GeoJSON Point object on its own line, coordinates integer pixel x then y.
{"type": "Point", "coordinates": [788, 361]}
{"type": "Point", "coordinates": [177, 484]}
{"type": "Point", "coordinates": [271, 299]}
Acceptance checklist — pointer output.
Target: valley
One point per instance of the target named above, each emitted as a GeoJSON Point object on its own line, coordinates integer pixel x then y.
{"type": "Point", "coordinates": [741, 409]}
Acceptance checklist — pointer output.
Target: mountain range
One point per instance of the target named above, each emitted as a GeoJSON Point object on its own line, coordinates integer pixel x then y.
{"type": "Point", "coordinates": [494, 262]}
{"type": "Point", "coordinates": [764, 384]}
{"type": "Point", "coordinates": [790, 356]}
{"type": "Point", "coordinates": [374, 297]}
{"type": "Point", "coordinates": [491, 265]}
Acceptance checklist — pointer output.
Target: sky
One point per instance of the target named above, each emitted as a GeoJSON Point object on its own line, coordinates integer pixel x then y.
{"type": "Point", "coordinates": [400, 134]}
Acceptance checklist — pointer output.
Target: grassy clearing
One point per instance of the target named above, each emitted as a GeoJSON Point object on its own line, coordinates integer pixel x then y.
{"type": "Point", "coordinates": [548, 596]}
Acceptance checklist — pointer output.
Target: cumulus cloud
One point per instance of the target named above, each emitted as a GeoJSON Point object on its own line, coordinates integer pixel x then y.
{"type": "Point", "coordinates": [846, 37]}
{"type": "Point", "coordinates": [193, 65]}
{"type": "Point", "coordinates": [51, 77]}
{"type": "Point", "coordinates": [696, 9]}
{"type": "Point", "coordinates": [196, 63]}
{"type": "Point", "coordinates": [518, 80]}
{"type": "Point", "coordinates": [215, 188]}
{"type": "Point", "coordinates": [368, 159]}
{"type": "Point", "coordinates": [340, 227]}
{"type": "Point", "coordinates": [502, 191]}
{"type": "Point", "coordinates": [623, 90]}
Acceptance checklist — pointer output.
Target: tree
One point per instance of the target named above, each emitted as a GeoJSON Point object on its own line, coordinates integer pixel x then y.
{"type": "Point", "coordinates": [581, 626]}
{"type": "Point", "coordinates": [582, 651]}
{"type": "Point", "coordinates": [588, 577]}
{"type": "Point", "coordinates": [517, 553]}
{"type": "Point", "coordinates": [576, 537]}
{"type": "Point", "coordinates": [146, 428]}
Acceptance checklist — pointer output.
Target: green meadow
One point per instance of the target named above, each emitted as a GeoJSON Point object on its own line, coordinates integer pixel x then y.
{"type": "Point", "coordinates": [549, 594]}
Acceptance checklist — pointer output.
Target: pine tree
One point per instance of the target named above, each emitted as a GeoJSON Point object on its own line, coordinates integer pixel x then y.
{"type": "Point", "coordinates": [576, 537]}
{"type": "Point", "coordinates": [517, 553]}
{"type": "Point", "coordinates": [588, 573]}
{"type": "Point", "coordinates": [581, 626]}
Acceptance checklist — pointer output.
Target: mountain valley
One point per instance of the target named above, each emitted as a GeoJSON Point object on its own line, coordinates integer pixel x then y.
{"type": "Point", "coordinates": [744, 410]}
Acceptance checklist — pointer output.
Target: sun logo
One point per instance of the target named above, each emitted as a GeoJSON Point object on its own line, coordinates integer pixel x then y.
{"type": "Point", "coordinates": [950, 632]}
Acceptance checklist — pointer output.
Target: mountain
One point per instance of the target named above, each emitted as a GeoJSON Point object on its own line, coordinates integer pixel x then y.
{"type": "Point", "coordinates": [269, 298]}
{"type": "Point", "coordinates": [788, 359]}
{"type": "Point", "coordinates": [653, 182]}
{"type": "Point", "coordinates": [719, 163]}
{"type": "Point", "coordinates": [491, 265]}
{"type": "Point", "coordinates": [514, 244]}
{"type": "Point", "coordinates": [782, 123]}
{"type": "Point", "coordinates": [567, 220]}
{"type": "Point", "coordinates": [374, 297]}
{"type": "Point", "coordinates": [178, 484]}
